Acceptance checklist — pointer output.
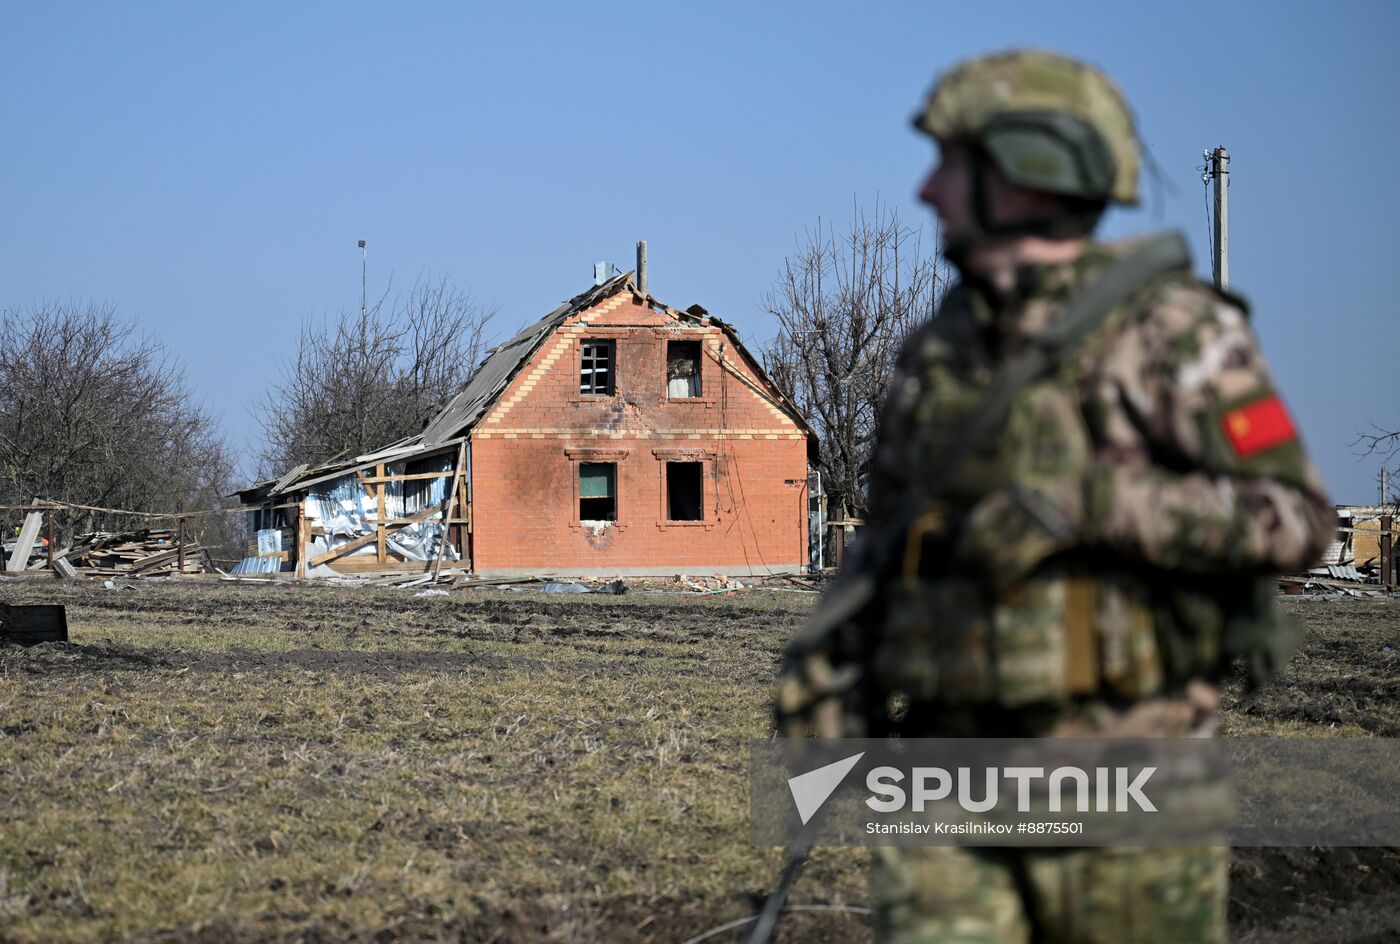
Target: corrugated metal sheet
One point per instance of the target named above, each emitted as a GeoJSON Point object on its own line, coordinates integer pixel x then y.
{"type": "Point", "coordinates": [289, 478]}
{"type": "Point", "coordinates": [1339, 572]}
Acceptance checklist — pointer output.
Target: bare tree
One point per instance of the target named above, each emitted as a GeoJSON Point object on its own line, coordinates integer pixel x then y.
{"type": "Point", "coordinates": [95, 413]}
{"type": "Point", "coordinates": [1385, 444]}
{"type": "Point", "coordinates": [370, 378]}
{"type": "Point", "coordinates": [845, 303]}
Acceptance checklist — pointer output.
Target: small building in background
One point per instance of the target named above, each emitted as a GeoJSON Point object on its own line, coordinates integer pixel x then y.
{"type": "Point", "coordinates": [1358, 539]}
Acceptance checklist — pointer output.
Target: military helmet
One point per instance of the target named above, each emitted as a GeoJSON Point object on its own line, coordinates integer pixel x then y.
{"type": "Point", "coordinates": [1048, 122]}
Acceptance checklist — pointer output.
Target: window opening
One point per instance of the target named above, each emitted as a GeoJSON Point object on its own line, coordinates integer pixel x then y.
{"type": "Point", "coordinates": [685, 493]}
{"type": "Point", "coordinates": [597, 491]}
{"type": "Point", "coordinates": [596, 370]}
{"type": "Point", "coordinates": [683, 368]}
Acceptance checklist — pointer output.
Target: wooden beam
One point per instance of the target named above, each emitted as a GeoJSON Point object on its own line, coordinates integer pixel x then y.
{"type": "Point", "coordinates": [164, 557]}
{"type": "Point", "coordinates": [368, 565]}
{"type": "Point", "coordinates": [417, 476]}
{"type": "Point", "coordinates": [301, 541]}
{"type": "Point", "coordinates": [363, 540]}
{"type": "Point", "coordinates": [449, 506]}
{"type": "Point", "coordinates": [379, 528]}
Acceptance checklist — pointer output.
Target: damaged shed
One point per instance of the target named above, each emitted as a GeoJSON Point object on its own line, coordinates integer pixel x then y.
{"type": "Point", "coordinates": [614, 436]}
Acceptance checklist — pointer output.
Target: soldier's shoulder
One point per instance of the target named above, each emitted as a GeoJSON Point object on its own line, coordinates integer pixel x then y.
{"type": "Point", "coordinates": [1178, 307]}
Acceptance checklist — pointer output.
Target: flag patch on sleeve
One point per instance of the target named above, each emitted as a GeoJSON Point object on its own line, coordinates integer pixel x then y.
{"type": "Point", "coordinates": [1257, 426]}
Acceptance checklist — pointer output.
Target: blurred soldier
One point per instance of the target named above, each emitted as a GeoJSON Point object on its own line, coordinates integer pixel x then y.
{"type": "Point", "coordinates": [1084, 481]}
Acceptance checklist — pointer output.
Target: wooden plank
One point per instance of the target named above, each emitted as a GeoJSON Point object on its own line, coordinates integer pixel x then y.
{"type": "Point", "coordinates": [301, 541]}
{"type": "Point", "coordinates": [28, 533]}
{"type": "Point", "coordinates": [464, 522]}
{"type": "Point", "coordinates": [417, 476]}
{"type": "Point", "coordinates": [379, 528]}
{"type": "Point", "coordinates": [360, 542]}
{"type": "Point", "coordinates": [64, 568]}
{"type": "Point", "coordinates": [368, 565]}
{"type": "Point", "coordinates": [172, 556]}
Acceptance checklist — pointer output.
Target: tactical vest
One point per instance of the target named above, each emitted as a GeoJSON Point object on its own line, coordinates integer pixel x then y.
{"type": "Point", "coordinates": [1083, 623]}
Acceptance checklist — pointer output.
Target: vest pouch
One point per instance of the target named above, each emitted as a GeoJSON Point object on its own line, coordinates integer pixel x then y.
{"type": "Point", "coordinates": [1125, 626]}
{"type": "Point", "coordinates": [1030, 648]}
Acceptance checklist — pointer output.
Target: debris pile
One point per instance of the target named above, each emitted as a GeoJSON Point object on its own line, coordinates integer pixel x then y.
{"type": "Point", "coordinates": [147, 553]}
{"type": "Point", "coordinates": [707, 585]}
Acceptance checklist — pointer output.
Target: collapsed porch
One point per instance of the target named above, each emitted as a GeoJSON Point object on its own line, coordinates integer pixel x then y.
{"type": "Point", "coordinates": [406, 509]}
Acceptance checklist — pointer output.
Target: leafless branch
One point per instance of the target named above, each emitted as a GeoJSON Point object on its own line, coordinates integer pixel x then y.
{"type": "Point", "coordinates": [367, 379]}
{"type": "Point", "coordinates": [1378, 441]}
{"type": "Point", "coordinates": [844, 304]}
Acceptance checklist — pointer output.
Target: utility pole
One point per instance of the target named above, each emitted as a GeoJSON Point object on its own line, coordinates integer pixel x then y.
{"type": "Point", "coordinates": [363, 266]}
{"type": "Point", "coordinates": [1220, 173]}
{"type": "Point", "coordinates": [1387, 548]}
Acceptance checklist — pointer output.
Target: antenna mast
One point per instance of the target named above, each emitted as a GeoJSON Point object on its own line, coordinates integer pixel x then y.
{"type": "Point", "coordinates": [363, 266]}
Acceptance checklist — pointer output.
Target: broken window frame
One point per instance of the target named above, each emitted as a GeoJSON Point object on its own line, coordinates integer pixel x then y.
{"type": "Point", "coordinates": [611, 486]}
{"type": "Point", "coordinates": [709, 486]}
{"type": "Point", "coordinates": [667, 494]}
{"type": "Point", "coordinates": [698, 379]}
{"type": "Point", "coordinates": [580, 453]}
{"type": "Point", "coordinates": [589, 349]}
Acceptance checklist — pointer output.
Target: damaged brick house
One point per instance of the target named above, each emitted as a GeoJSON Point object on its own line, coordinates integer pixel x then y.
{"type": "Point", "coordinates": [616, 435]}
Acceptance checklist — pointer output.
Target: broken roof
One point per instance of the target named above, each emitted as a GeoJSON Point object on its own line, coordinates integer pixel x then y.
{"type": "Point", "coordinates": [497, 371]}
{"type": "Point", "coordinates": [490, 380]}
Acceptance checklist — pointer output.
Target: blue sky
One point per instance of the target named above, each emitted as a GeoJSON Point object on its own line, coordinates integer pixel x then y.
{"type": "Point", "coordinates": [209, 168]}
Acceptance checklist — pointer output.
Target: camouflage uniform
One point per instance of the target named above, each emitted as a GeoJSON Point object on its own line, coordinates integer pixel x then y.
{"type": "Point", "coordinates": [1087, 569]}
{"type": "Point", "coordinates": [1161, 502]}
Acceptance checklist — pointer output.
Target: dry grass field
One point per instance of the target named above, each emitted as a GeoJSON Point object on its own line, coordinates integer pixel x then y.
{"type": "Point", "coordinates": [225, 762]}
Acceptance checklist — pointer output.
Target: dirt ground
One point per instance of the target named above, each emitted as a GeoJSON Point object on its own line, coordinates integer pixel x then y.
{"type": "Point", "coordinates": [225, 762]}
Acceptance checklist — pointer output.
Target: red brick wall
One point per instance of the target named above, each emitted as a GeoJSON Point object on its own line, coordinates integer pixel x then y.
{"type": "Point", "coordinates": [526, 451]}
